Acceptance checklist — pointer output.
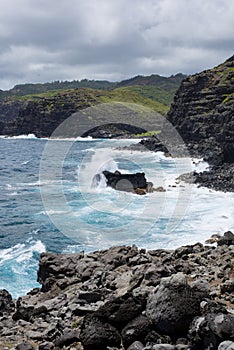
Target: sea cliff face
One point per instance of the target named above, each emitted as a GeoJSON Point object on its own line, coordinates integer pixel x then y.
{"type": "Point", "coordinates": [202, 112]}
{"type": "Point", "coordinates": [41, 116]}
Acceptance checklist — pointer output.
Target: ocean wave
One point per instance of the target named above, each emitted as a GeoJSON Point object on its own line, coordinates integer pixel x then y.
{"type": "Point", "coordinates": [19, 266]}
{"type": "Point", "coordinates": [29, 136]}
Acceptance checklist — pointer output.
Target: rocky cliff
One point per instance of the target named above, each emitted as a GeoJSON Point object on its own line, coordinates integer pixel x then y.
{"type": "Point", "coordinates": [42, 114]}
{"type": "Point", "coordinates": [202, 112]}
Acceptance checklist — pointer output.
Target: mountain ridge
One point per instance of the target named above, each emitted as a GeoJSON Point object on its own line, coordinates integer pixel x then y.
{"type": "Point", "coordinates": [38, 109]}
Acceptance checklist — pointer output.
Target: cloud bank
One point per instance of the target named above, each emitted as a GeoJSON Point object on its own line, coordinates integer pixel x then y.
{"type": "Point", "coordinates": [111, 39]}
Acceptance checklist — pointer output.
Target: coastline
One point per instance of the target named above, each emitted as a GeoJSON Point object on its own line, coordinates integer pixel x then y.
{"type": "Point", "coordinates": [113, 298]}
{"type": "Point", "coordinates": [81, 293]}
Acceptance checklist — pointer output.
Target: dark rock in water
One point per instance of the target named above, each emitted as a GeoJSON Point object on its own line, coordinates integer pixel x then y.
{"type": "Point", "coordinates": [6, 303]}
{"type": "Point", "coordinates": [174, 304]}
{"type": "Point", "coordinates": [96, 334]}
{"type": "Point", "coordinates": [127, 182]}
{"type": "Point", "coordinates": [113, 130]}
{"type": "Point", "coordinates": [154, 144]}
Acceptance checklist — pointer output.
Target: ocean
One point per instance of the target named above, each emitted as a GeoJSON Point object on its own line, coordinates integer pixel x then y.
{"type": "Point", "coordinates": [49, 202]}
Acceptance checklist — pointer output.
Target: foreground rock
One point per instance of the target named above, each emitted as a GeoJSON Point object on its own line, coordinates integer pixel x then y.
{"type": "Point", "coordinates": [127, 298]}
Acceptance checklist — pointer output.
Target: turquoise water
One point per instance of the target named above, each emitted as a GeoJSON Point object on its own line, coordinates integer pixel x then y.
{"type": "Point", "coordinates": [47, 203]}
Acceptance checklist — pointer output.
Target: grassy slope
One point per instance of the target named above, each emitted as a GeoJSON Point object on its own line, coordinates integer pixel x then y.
{"type": "Point", "coordinates": [101, 96]}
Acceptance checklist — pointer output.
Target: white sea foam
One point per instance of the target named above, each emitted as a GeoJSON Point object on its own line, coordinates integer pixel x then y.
{"type": "Point", "coordinates": [21, 251]}
{"type": "Point", "coordinates": [29, 136]}
{"type": "Point", "coordinates": [18, 266]}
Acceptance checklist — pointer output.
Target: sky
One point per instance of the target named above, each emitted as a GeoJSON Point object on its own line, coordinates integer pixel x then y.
{"type": "Point", "coordinates": [48, 40]}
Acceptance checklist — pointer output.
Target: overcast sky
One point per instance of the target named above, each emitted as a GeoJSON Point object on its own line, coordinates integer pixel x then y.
{"type": "Point", "coordinates": [46, 40]}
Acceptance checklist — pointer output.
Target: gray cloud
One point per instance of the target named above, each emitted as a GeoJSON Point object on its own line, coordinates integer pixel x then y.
{"type": "Point", "coordinates": [111, 39]}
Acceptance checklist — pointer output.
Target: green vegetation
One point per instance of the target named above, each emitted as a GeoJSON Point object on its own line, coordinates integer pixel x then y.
{"type": "Point", "coordinates": [51, 100]}
{"type": "Point", "coordinates": [29, 89]}
{"type": "Point", "coordinates": [42, 107]}
{"type": "Point", "coordinates": [228, 98]}
{"type": "Point", "coordinates": [154, 93]}
{"type": "Point", "coordinates": [148, 133]}
{"type": "Point", "coordinates": [126, 95]}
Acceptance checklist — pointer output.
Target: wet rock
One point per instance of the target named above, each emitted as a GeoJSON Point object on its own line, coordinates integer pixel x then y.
{"type": "Point", "coordinates": [126, 182]}
{"type": "Point", "coordinates": [154, 144]}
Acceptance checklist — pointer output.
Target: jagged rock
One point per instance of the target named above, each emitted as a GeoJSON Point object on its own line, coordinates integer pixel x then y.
{"type": "Point", "coordinates": [174, 304]}
{"type": "Point", "coordinates": [110, 289]}
{"type": "Point", "coordinates": [211, 330]}
{"type": "Point", "coordinates": [126, 182]}
{"type": "Point", "coordinates": [52, 266]}
{"type": "Point", "coordinates": [23, 311]}
{"type": "Point", "coordinates": [121, 310]}
{"type": "Point", "coordinates": [67, 339]}
{"type": "Point", "coordinates": [6, 302]}
{"type": "Point", "coordinates": [96, 334]}
{"type": "Point", "coordinates": [202, 113]}
{"type": "Point", "coordinates": [154, 144]}
{"type": "Point", "coordinates": [135, 330]}
{"type": "Point", "coordinates": [209, 306]}
{"type": "Point", "coordinates": [227, 238]}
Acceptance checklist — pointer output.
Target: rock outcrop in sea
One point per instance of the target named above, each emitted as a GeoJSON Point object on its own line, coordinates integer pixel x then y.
{"type": "Point", "coordinates": [125, 298]}
{"type": "Point", "coordinates": [135, 183]}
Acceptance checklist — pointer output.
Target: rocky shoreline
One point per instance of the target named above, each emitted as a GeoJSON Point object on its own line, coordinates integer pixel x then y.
{"type": "Point", "coordinates": [125, 298]}
{"type": "Point", "coordinates": [219, 177]}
